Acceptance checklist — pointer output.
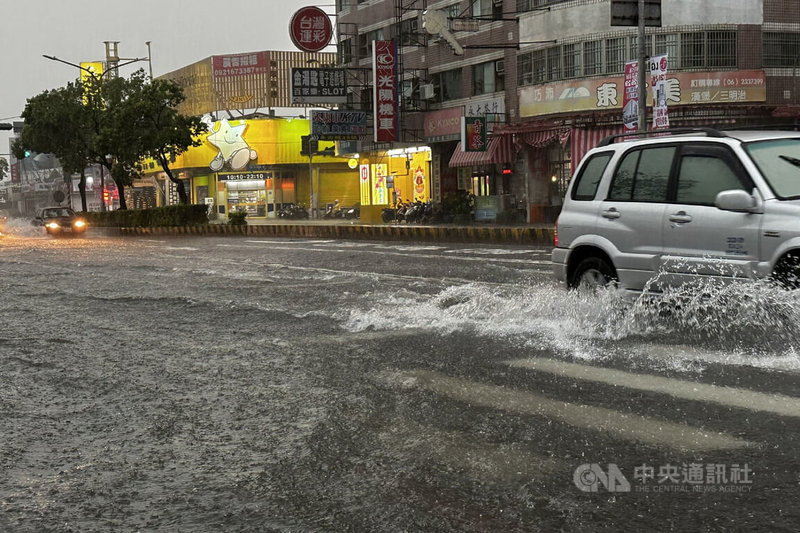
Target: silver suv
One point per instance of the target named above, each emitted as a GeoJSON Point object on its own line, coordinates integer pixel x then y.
{"type": "Point", "coordinates": [686, 204]}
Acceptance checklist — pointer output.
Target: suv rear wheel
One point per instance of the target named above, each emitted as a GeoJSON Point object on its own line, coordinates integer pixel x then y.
{"type": "Point", "coordinates": [592, 273]}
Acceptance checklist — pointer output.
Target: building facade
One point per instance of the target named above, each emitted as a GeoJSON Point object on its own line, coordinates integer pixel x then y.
{"type": "Point", "coordinates": [548, 78]}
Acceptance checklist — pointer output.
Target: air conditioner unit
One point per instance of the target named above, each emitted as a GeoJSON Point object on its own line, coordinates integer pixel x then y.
{"type": "Point", "coordinates": [426, 91]}
{"type": "Point", "coordinates": [500, 66]}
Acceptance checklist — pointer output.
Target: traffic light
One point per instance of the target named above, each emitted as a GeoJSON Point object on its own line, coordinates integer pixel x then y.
{"type": "Point", "coordinates": [28, 153]}
{"type": "Point", "coordinates": [5, 126]}
{"type": "Point", "coordinates": [308, 145]}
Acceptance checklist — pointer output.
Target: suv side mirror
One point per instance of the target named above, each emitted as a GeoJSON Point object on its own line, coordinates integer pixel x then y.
{"type": "Point", "coordinates": [735, 200]}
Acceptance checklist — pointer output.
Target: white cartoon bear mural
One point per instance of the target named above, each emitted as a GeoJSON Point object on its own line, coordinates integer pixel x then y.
{"type": "Point", "coordinates": [232, 148]}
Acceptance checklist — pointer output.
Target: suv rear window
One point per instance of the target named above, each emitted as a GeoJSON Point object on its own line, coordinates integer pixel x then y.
{"type": "Point", "coordinates": [589, 178]}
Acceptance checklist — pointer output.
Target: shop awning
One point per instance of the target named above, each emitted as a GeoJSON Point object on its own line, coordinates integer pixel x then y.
{"type": "Point", "coordinates": [499, 151]}
{"type": "Point", "coordinates": [584, 140]}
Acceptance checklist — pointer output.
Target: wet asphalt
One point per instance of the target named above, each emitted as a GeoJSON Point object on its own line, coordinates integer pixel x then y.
{"type": "Point", "coordinates": [249, 384]}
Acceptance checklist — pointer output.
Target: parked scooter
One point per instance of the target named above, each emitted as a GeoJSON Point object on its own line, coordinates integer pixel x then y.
{"type": "Point", "coordinates": [293, 212]}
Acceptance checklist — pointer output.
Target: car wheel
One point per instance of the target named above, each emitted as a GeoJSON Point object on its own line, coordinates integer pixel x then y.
{"type": "Point", "coordinates": [787, 272]}
{"type": "Point", "coordinates": [592, 273]}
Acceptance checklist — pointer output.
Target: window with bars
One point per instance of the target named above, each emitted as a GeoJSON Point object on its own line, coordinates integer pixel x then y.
{"type": "Point", "coordinates": [592, 58]}
{"type": "Point", "coordinates": [781, 49]}
{"type": "Point", "coordinates": [449, 85]}
{"type": "Point", "coordinates": [524, 70]}
{"type": "Point", "coordinates": [529, 5]}
{"type": "Point", "coordinates": [721, 48]}
{"type": "Point", "coordinates": [693, 50]}
{"type": "Point", "coordinates": [667, 44]}
{"type": "Point", "coordinates": [615, 55]}
{"type": "Point", "coordinates": [539, 64]}
{"type": "Point", "coordinates": [572, 60]}
{"type": "Point", "coordinates": [554, 63]}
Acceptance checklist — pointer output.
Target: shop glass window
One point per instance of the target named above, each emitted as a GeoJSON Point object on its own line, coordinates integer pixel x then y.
{"type": "Point", "coordinates": [592, 58]}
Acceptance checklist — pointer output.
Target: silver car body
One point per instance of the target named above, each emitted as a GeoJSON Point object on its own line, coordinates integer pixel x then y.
{"type": "Point", "coordinates": [726, 236]}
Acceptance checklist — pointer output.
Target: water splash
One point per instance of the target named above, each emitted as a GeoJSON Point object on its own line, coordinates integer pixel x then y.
{"type": "Point", "coordinates": [683, 328]}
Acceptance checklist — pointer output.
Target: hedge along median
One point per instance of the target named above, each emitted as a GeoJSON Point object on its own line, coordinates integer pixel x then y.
{"type": "Point", "coordinates": [172, 215]}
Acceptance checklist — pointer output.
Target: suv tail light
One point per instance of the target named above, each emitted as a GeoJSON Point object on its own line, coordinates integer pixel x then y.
{"type": "Point", "coordinates": [555, 235]}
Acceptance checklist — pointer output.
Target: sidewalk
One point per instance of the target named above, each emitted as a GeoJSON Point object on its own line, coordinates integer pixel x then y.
{"type": "Point", "coordinates": [533, 234]}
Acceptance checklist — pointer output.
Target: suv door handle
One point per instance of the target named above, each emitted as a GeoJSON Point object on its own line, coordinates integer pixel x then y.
{"type": "Point", "coordinates": [680, 217]}
{"type": "Point", "coordinates": [611, 213]}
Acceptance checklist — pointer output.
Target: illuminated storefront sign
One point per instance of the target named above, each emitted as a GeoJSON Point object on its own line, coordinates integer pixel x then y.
{"type": "Point", "coordinates": [245, 176]}
{"type": "Point", "coordinates": [380, 194]}
{"type": "Point", "coordinates": [443, 125]}
{"type": "Point", "coordinates": [473, 134]}
{"type": "Point", "coordinates": [384, 86]}
{"type": "Point", "coordinates": [682, 88]}
{"type": "Point", "coordinates": [366, 194]}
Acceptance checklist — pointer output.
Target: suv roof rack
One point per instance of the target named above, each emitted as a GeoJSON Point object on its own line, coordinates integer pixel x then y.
{"type": "Point", "coordinates": [710, 132]}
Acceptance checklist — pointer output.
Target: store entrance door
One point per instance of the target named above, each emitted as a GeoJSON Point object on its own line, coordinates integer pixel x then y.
{"type": "Point", "coordinates": [249, 196]}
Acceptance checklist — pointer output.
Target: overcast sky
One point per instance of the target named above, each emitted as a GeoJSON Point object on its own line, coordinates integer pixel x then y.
{"type": "Point", "coordinates": [180, 31]}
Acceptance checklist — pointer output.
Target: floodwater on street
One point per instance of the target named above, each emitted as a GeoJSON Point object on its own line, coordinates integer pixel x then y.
{"type": "Point", "coordinates": [265, 384]}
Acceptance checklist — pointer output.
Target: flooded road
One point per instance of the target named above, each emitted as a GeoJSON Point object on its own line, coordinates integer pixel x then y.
{"type": "Point", "coordinates": [244, 384]}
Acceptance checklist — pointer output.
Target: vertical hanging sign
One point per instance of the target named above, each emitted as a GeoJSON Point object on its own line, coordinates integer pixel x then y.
{"type": "Point", "coordinates": [658, 81]}
{"type": "Point", "coordinates": [473, 134]}
{"type": "Point", "coordinates": [630, 97]}
{"type": "Point", "coordinates": [379, 191]}
{"type": "Point", "coordinates": [365, 185]}
{"type": "Point", "coordinates": [384, 90]}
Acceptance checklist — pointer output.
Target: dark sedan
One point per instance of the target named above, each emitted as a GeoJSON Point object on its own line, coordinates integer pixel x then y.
{"type": "Point", "coordinates": [60, 220]}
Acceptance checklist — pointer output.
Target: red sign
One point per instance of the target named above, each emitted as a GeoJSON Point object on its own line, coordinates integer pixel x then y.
{"type": "Point", "coordinates": [310, 29]}
{"type": "Point", "coordinates": [384, 87]}
{"type": "Point", "coordinates": [240, 64]}
{"type": "Point", "coordinates": [15, 172]}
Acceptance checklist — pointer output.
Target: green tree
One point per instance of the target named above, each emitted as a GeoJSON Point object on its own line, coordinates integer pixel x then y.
{"type": "Point", "coordinates": [58, 122]}
{"type": "Point", "coordinates": [3, 168]}
{"type": "Point", "coordinates": [148, 123]}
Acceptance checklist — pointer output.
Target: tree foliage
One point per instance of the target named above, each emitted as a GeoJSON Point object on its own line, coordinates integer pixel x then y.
{"type": "Point", "coordinates": [110, 122]}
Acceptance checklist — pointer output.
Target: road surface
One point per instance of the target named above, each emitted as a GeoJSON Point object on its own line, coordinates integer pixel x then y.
{"type": "Point", "coordinates": [245, 384]}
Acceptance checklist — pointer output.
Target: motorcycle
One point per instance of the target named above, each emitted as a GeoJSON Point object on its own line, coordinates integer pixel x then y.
{"type": "Point", "coordinates": [292, 212]}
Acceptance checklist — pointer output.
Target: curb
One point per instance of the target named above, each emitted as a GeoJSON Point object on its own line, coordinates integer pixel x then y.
{"type": "Point", "coordinates": [491, 234]}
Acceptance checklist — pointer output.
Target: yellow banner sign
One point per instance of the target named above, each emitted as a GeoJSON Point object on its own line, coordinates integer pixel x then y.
{"type": "Point", "coordinates": [683, 88]}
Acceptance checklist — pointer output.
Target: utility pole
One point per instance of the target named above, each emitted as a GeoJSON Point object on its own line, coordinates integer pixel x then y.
{"type": "Point", "coordinates": [642, 49]}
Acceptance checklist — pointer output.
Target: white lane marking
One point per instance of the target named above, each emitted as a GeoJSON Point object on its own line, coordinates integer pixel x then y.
{"type": "Point", "coordinates": [688, 390]}
{"type": "Point", "coordinates": [480, 457]}
{"type": "Point", "coordinates": [424, 256]}
{"type": "Point", "coordinates": [620, 425]}
{"type": "Point", "coordinates": [181, 248]}
{"type": "Point", "coordinates": [492, 251]}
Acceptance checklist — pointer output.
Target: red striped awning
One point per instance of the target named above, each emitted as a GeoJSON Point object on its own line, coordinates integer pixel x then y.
{"type": "Point", "coordinates": [499, 151]}
{"type": "Point", "coordinates": [584, 140]}
{"type": "Point", "coordinates": [537, 139]}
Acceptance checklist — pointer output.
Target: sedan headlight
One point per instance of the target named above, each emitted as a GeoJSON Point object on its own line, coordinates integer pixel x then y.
{"type": "Point", "coordinates": [52, 225]}
{"type": "Point", "coordinates": [80, 224]}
